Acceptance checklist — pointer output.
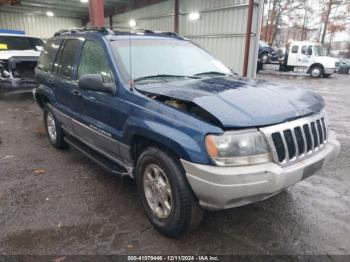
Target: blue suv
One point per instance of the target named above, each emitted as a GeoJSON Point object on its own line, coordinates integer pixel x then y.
{"type": "Point", "coordinates": [194, 136]}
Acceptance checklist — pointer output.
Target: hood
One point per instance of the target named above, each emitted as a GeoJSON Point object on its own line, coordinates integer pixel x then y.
{"type": "Point", "coordinates": [5, 55]}
{"type": "Point", "coordinates": [240, 102]}
{"type": "Point", "coordinates": [327, 61]}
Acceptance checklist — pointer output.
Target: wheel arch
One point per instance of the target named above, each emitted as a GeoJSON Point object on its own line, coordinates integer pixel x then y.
{"type": "Point", "coordinates": [182, 145]}
{"type": "Point", "coordinates": [140, 142]}
{"type": "Point", "coordinates": [41, 99]}
{"type": "Point", "coordinates": [314, 65]}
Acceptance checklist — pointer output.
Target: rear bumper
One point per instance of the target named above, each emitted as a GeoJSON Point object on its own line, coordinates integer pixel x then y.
{"type": "Point", "coordinates": [226, 187]}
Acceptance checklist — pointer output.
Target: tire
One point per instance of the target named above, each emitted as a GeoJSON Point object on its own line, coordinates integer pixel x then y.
{"type": "Point", "coordinates": [264, 58]}
{"type": "Point", "coordinates": [316, 71]}
{"type": "Point", "coordinates": [184, 213]}
{"type": "Point", "coordinates": [259, 66]}
{"type": "Point", "coordinates": [52, 126]}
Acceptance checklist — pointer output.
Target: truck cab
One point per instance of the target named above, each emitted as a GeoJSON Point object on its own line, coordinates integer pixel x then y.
{"type": "Point", "coordinates": [309, 57]}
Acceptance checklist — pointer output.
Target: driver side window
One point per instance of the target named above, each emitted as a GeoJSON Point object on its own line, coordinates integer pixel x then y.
{"type": "Point", "coordinates": [93, 60]}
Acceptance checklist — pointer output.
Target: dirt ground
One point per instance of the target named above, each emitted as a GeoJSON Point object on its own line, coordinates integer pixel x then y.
{"type": "Point", "coordinates": [60, 202]}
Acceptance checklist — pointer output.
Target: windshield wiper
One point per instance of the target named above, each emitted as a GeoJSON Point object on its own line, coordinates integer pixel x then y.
{"type": "Point", "coordinates": [162, 76]}
{"type": "Point", "coordinates": [211, 73]}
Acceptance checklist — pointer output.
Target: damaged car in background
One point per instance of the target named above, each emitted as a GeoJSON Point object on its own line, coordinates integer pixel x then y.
{"type": "Point", "coordinates": [194, 136]}
{"type": "Point", "coordinates": [18, 58]}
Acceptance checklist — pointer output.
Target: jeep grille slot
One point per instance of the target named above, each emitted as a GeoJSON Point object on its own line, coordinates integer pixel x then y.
{"type": "Point", "coordinates": [281, 152]}
{"type": "Point", "coordinates": [296, 140]}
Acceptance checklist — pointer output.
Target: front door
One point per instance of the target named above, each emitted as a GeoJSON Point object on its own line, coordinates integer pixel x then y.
{"type": "Point", "coordinates": [304, 55]}
{"type": "Point", "coordinates": [101, 117]}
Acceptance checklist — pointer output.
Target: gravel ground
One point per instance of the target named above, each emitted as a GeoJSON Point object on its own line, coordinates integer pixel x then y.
{"type": "Point", "coordinates": [59, 202]}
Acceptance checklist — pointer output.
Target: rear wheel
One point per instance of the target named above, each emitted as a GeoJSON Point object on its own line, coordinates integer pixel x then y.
{"type": "Point", "coordinates": [316, 71]}
{"type": "Point", "coordinates": [53, 129]}
{"type": "Point", "coordinates": [165, 193]}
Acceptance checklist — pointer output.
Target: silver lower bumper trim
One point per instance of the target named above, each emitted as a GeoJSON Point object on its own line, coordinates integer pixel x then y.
{"type": "Point", "coordinates": [227, 187]}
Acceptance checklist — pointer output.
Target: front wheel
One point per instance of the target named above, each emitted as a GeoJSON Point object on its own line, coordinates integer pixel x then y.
{"type": "Point", "coordinates": [265, 58]}
{"type": "Point", "coordinates": [168, 200]}
{"type": "Point", "coordinates": [316, 71]}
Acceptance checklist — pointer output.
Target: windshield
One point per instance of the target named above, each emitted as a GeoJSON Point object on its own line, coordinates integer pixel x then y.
{"type": "Point", "coordinates": [319, 51]}
{"type": "Point", "coordinates": [164, 58]}
{"type": "Point", "coordinates": [8, 43]}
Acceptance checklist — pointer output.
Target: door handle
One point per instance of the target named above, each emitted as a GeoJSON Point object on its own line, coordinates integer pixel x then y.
{"type": "Point", "coordinates": [76, 93]}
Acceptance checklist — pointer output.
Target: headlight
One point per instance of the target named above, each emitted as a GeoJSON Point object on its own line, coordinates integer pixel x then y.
{"type": "Point", "coordinates": [238, 148]}
{"type": "Point", "coordinates": [4, 73]}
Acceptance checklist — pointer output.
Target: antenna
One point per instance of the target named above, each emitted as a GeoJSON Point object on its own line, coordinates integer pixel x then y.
{"type": "Point", "coordinates": [131, 82]}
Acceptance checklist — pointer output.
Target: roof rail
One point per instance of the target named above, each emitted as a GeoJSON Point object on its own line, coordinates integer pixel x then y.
{"type": "Point", "coordinates": [110, 30]}
{"type": "Point", "coordinates": [84, 29]}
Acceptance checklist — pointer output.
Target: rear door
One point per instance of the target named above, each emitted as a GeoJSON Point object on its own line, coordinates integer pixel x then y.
{"type": "Point", "coordinates": [293, 55]}
{"type": "Point", "coordinates": [66, 89]}
{"type": "Point", "coordinates": [45, 64]}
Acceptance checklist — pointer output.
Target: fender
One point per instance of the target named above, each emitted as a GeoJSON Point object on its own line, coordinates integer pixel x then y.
{"type": "Point", "coordinates": [186, 147]}
{"type": "Point", "coordinates": [312, 65]}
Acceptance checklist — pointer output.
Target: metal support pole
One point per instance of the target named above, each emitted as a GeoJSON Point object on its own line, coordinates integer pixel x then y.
{"type": "Point", "coordinates": [96, 11]}
{"type": "Point", "coordinates": [111, 21]}
{"type": "Point", "coordinates": [247, 37]}
{"type": "Point", "coordinates": [176, 16]}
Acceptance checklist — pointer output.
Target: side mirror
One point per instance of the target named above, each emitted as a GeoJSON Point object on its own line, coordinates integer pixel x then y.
{"type": "Point", "coordinates": [94, 82]}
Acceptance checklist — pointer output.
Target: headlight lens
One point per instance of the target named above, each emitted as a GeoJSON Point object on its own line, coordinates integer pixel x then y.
{"type": "Point", "coordinates": [238, 148]}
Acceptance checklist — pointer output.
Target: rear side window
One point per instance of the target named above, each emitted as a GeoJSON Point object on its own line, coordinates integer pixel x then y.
{"type": "Point", "coordinates": [67, 58]}
{"type": "Point", "coordinates": [93, 60]}
{"type": "Point", "coordinates": [295, 49]}
{"type": "Point", "coordinates": [48, 55]}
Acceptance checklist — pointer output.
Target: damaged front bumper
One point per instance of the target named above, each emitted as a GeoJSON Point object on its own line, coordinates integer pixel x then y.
{"type": "Point", "coordinates": [226, 187]}
{"type": "Point", "coordinates": [17, 74]}
{"type": "Point", "coordinates": [16, 85]}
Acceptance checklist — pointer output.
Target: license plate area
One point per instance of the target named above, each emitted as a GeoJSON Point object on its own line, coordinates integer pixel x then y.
{"type": "Point", "coordinates": [312, 169]}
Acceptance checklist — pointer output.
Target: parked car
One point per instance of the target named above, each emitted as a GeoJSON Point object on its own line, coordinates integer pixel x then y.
{"type": "Point", "coordinates": [18, 58]}
{"type": "Point", "coordinates": [344, 66]}
{"type": "Point", "coordinates": [310, 58]}
{"type": "Point", "coordinates": [156, 107]}
{"type": "Point", "coordinates": [266, 53]}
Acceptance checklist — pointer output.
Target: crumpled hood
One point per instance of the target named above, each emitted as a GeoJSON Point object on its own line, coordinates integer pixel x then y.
{"type": "Point", "coordinates": [240, 102]}
{"type": "Point", "coordinates": [5, 55]}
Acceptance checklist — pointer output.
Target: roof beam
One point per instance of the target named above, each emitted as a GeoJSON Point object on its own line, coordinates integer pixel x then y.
{"type": "Point", "coordinates": [53, 6]}
{"type": "Point", "coordinates": [40, 11]}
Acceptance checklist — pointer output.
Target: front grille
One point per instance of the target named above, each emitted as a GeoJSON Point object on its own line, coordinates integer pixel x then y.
{"type": "Point", "coordinates": [293, 141]}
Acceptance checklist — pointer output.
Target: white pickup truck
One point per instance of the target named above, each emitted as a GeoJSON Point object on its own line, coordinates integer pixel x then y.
{"type": "Point", "coordinates": [310, 58]}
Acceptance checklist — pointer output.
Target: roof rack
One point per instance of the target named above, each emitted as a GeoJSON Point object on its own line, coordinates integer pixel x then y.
{"type": "Point", "coordinates": [82, 29]}
{"type": "Point", "coordinates": [110, 30]}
